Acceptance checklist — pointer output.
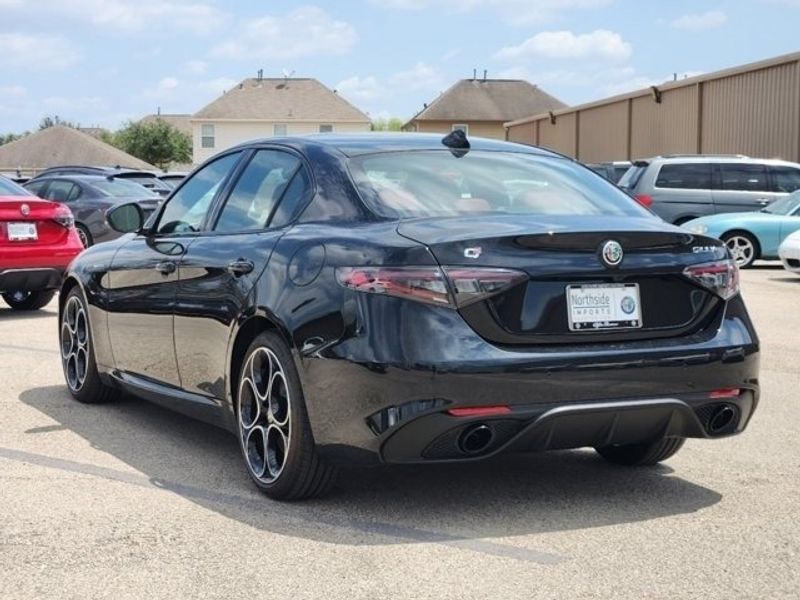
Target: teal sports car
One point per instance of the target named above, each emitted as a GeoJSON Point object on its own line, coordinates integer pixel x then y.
{"type": "Point", "coordinates": [752, 235]}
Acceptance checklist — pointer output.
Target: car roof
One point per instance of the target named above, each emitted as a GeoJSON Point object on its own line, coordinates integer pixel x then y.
{"type": "Point", "coordinates": [370, 143]}
{"type": "Point", "coordinates": [716, 158]}
{"type": "Point", "coordinates": [99, 169]}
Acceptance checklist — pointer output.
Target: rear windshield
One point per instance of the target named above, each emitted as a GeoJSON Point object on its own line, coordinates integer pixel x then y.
{"type": "Point", "coordinates": [631, 177]}
{"type": "Point", "coordinates": [440, 183]}
{"type": "Point", "coordinates": [121, 188]}
{"type": "Point", "coordinates": [148, 181]}
{"type": "Point", "coordinates": [9, 188]}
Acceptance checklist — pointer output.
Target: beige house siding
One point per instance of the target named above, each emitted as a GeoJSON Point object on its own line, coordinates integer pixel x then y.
{"type": "Point", "coordinates": [230, 133]}
{"type": "Point", "coordinates": [487, 129]}
{"type": "Point", "coordinates": [753, 109]}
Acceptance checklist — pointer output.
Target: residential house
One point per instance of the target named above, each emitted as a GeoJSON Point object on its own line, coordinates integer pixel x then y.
{"type": "Point", "coordinates": [481, 106]}
{"type": "Point", "coordinates": [181, 122]}
{"type": "Point", "coordinates": [266, 107]}
{"type": "Point", "coordinates": [61, 145]}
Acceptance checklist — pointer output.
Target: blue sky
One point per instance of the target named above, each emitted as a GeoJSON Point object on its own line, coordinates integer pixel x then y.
{"type": "Point", "coordinates": [102, 62]}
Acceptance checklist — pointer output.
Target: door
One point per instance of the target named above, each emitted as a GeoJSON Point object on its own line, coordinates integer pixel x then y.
{"type": "Point", "coordinates": [740, 187]}
{"type": "Point", "coordinates": [143, 280]}
{"type": "Point", "coordinates": [221, 267]}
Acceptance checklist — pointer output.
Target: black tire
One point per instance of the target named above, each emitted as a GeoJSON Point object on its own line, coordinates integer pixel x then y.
{"type": "Point", "coordinates": [29, 300]}
{"type": "Point", "coordinates": [638, 455]}
{"type": "Point", "coordinates": [83, 233]}
{"type": "Point", "coordinates": [91, 389]}
{"type": "Point", "coordinates": [682, 220]}
{"type": "Point", "coordinates": [301, 474]}
{"type": "Point", "coordinates": [744, 261]}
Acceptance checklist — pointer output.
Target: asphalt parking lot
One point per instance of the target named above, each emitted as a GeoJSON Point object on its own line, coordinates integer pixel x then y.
{"type": "Point", "coordinates": [127, 500]}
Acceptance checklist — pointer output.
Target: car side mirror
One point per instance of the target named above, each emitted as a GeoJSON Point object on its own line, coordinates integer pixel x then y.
{"type": "Point", "coordinates": [126, 218]}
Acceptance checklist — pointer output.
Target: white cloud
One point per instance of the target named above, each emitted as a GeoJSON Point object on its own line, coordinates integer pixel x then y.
{"type": "Point", "coordinates": [17, 91]}
{"type": "Point", "coordinates": [128, 15]}
{"type": "Point", "coordinates": [599, 44]}
{"type": "Point", "coordinates": [36, 51]}
{"type": "Point", "coordinates": [168, 83]}
{"type": "Point", "coordinates": [217, 85]}
{"type": "Point", "coordinates": [706, 20]}
{"type": "Point", "coordinates": [305, 31]}
{"type": "Point", "coordinates": [420, 77]}
{"type": "Point", "coordinates": [196, 67]}
{"type": "Point", "coordinates": [514, 12]}
{"type": "Point", "coordinates": [363, 89]}
{"type": "Point", "coordinates": [79, 103]}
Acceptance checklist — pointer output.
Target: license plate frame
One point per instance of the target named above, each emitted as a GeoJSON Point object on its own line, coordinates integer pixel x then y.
{"type": "Point", "coordinates": [22, 231]}
{"type": "Point", "coordinates": [603, 307]}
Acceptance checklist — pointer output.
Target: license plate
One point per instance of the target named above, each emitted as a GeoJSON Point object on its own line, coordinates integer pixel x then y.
{"type": "Point", "coordinates": [603, 306]}
{"type": "Point", "coordinates": [22, 231]}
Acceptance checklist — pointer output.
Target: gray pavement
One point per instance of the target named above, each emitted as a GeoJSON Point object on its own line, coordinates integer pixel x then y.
{"type": "Point", "coordinates": [128, 500]}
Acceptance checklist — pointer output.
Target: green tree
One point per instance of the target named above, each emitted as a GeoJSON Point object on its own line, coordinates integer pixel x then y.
{"type": "Point", "coordinates": [5, 138]}
{"type": "Point", "coordinates": [390, 124]}
{"type": "Point", "coordinates": [52, 121]}
{"type": "Point", "coordinates": [156, 142]}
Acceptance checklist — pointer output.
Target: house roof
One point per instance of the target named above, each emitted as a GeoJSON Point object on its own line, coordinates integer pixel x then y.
{"type": "Point", "coordinates": [180, 122]}
{"type": "Point", "coordinates": [60, 145]}
{"type": "Point", "coordinates": [488, 100]}
{"type": "Point", "coordinates": [281, 99]}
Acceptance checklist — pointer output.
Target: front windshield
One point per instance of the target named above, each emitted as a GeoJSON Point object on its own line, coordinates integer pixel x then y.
{"type": "Point", "coordinates": [443, 183]}
{"type": "Point", "coordinates": [9, 188]}
{"type": "Point", "coordinates": [784, 206]}
{"type": "Point", "coordinates": [121, 188]}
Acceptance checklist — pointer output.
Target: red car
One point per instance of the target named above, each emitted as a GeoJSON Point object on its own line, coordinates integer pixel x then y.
{"type": "Point", "coordinates": [38, 240]}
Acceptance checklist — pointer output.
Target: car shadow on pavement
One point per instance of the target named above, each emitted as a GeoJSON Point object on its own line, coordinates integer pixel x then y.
{"type": "Point", "coordinates": [9, 314]}
{"type": "Point", "coordinates": [460, 505]}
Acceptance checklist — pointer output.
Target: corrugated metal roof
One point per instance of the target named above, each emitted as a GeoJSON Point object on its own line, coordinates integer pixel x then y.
{"type": "Point", "coordinates": [488, 100]}
{"type": "Point", "coordinates": [281, 100]}
{"type": "Point", "coordinates": [59, 145]}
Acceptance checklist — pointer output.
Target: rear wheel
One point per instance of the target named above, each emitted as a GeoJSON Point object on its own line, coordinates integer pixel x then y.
{"type": "Point", "coordinates": [743, 246]}
{"type": "Point", "coordinates": [637, 455]}
{"type": "Point", "coordinates": [274, 432]}
{"type": "Point", "coordinates": [84, 235]}
{"type": "Point", "coordinates": [28, 300]}
{"type": "Point", "coordinates": [77, 354]}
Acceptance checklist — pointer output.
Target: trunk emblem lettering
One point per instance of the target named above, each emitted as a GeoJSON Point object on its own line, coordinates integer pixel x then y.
{"type": "Point", "coordinates": [25, 209]}
{"type": "Point", "coordinates": [612, 253]}
{"type": "Point", "coordinates": [473, 252]}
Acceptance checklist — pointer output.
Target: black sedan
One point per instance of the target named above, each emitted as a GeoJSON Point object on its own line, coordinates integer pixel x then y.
{"type": "Point", "coordinates": [89, 197]}
{"type": "Point", "coordinates": [411, 299]}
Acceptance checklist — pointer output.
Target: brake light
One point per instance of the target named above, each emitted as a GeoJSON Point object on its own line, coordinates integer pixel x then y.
{"type": "Point", "coordinates": [721, 277]}
{"type": "Point", "coordinates": [645, 200]}
{"type": "Point", "coordinates": [454, 287]}
{"type": "Point", "coordinates": [724, 393]}
{"type": "Point", "coordinates": [63, 216]}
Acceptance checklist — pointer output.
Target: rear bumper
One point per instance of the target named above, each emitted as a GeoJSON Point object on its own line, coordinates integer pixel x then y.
{"type": "Point", "coordinates": [383, 392]}
{"type": "Point", "coordinates": [30, 280]}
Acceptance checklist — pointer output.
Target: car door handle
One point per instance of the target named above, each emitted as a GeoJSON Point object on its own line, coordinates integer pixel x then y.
{"type": "Point", "coordinates": [240, 267]}
{"type": "Point", "coordinates": [763, 201]}
{"type": "Point", "coordinates": [166, 267]}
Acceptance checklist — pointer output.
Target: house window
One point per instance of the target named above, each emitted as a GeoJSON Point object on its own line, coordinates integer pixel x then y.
{"type": "Point", "coordinates": [207, 135]}
{"type": "Point", "coordinates": [460, 127]}
{"type": "Point", "coordinates": [326, 128]}
{"type": "Point", "coordinates": [279, 129]}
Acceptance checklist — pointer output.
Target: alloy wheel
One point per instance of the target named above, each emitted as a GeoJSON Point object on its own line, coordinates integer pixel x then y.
{"type": "Point", "coordinates": [75, 343]}
{"type": "Point", "coordinates": [264, 415]}
{"type": "Point", "coordinates": [83, 237]}
{"type": "Point", "coordinates": [741, 248]}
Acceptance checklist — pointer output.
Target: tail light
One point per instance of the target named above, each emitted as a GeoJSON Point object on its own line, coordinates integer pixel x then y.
{"type": "Point", "coordinates": [721, 277]}
{"type": "Point", "coordinates": [63, 216]}
{"type": "Point", "coordinates": [645, 200]}
{"type": "Point", "coordinates": [453, 287]}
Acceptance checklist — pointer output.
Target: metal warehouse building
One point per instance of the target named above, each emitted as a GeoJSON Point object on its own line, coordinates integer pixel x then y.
{"type": "Point", "coordinates": [753, 109]}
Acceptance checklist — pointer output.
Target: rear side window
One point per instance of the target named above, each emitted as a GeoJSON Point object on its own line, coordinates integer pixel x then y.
{"type": "Point", "coordinates": [62, 191]}
{"type": "Point", "coordinates": [785, 179]}
{"type": "Point", "coordinates": [262, 183]}
{"type": "Point", "coordinates": [687, 176]}
{"type": "Point", "coordinates": [445, 183]}
{"type": "Point", "coordinates": [743, 177]}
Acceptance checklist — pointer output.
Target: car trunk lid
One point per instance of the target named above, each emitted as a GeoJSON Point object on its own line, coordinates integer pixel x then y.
{"type": "Point", "coordinates": [29, 220]}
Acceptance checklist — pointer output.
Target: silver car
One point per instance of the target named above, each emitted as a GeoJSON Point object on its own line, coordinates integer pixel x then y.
{"type": "Point", "coordinates": [679, 188]}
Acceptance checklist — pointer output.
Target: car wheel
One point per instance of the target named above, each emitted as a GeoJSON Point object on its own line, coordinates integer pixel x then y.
{"type": "Point", "coordinates": [642, 454]}
{"type": "Point", "coordinates": [743, 246]}
{"type": "Point", "coordinates": [83, 233]}
{"type": "Point", "coordinates": [28, 300]}
{"type": "Point", "coordinates": [274, 432]}
{"type": "Point", "coordinates": [77, 354]}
